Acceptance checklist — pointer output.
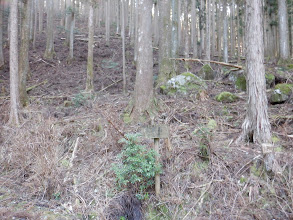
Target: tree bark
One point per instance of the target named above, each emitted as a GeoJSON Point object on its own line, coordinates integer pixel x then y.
{"type": "Point", "coordinates": [90, 58]}
{"type": "Point", "coordinates": [41, 15]}
{"type": "Point", "coordinates": [225, 32]}
{"type": "Point", "coordinates": [49, 53]}
{"type": "Point", "coordinates": [143, 97]}
{"type": "Point", "coordinates": [194, 37]}
{"type": "Point", "coordinates": [283, 30]}
{"type": "Point", "coordinates": [165, 64]}
{"type": "Point", "coordinates": [24, 49]}
{"type": "Point", "coordinates": [256, 127]}
{"type": "Point", "coordinates": [186, 29]}
{"type": "Point", "coordinates": [208, 31]}
{"type": "Point", "coordinates": [123, 45]}
{"type": "Point", "coordinates": [71, 34]}
{"type": "Point", "coordinates": [1, 34]}
{"type": "Point", "coordinates": [13, 59]}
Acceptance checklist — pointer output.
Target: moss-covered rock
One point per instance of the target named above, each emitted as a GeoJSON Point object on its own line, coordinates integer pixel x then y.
{"type": "Point", "coordinates": [183, 84]}
{"type": "Point", "coordinates": [281, 93]}
{"type": "Point", "coordinates": [226, 97]}
{"type": "Point", "coordinates": [206, 72]}
{"type": "Point", "coordinates": [270, 80]}
{"type": "Point", "coordinates": [240, 83]}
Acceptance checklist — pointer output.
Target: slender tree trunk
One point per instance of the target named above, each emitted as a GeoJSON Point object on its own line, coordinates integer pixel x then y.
{"type": "Point", "coordinates": [186, 29]}
{"type": "Point", "coordinates": [118, 16]}
{"type": "Point", "coordinates": [35, 5]}
{"type": "Point", "coordinates": [208, 30]}
{"type": "Point", "coordinates": [41, 15]}
{"type": "Point", "coordinates": [174, 34]}
{"type": "Point", "coordinates": [71, 35]}
{"type": "Point", "coordinates": [107, 22]}
{"type": "Point", "coordinates": [1, 34]}
{"type": "Point", "coordinates": [219, 30]}
{"type": "Point", "coordinates": [232, 29]}
{"type": "Point", "coordinates": [63, 13]}
{"type": "Point", "coordinates": [225, 34]}
{"type": "Point", "coordinates": [90, 57]}
{"type": "Point", "coordinates": [194, 37]}
{"type": "Point", "coordinates": [68, 21]}
{"type": "Point", "coordinates": [49, 53]}
{"type": "Point", "coordinates": [179, 24]}
{"type": "Point", "coordinates": [256, 127]}
{"type": "Point", "coordinates": [143, 97]}
{"type": "Point", "coordinates": [136, 33]}
{"type": "Point", "coordinates": [24, 49]}
{"type": "Point", "coordinates": [13, 64]}
{"type": "Point", "coordinates": [123, 46]}
{"type": "Point", "coordinates": [201, 28]}
{"type": "Point", "coordinates": [283, 30]}
{"type": "Point", "coordinates": [213, 34]}
{"type": "Point", "coordinates": [165, 64]}
{"type": "Point", "coordinates": [156, 25]}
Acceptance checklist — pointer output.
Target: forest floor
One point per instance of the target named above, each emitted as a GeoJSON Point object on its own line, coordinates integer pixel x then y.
{"type": "Point", "coordinates": [58, 163]}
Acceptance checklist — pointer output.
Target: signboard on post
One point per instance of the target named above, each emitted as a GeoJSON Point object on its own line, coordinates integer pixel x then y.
{"type": "Point", "coordinates": [156, 132]}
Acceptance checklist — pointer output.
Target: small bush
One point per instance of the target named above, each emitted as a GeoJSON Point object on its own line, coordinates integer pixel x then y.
{"type": "Point", "coordinates": [137, 167]}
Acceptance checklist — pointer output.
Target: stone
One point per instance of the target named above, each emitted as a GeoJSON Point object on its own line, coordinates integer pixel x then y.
{"type": "Point", "coordinates": [183, 84]}
{"type": "Point", "coordinates": [226, 97]}
{"type": "Point", "coordinates": [206, 72]}
{"type": "Point", "coordinates": [281, 93]}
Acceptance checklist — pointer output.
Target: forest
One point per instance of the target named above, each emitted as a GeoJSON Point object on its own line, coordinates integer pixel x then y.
{"type": "Point", "coordinates": [146, 109]}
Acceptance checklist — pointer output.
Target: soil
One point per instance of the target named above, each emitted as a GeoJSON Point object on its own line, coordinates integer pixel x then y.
{"type": "Point", "coordinates": [36, 181]}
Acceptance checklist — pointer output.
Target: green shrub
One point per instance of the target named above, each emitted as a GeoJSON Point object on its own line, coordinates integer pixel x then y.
{"type": "Point", "coordinates": [137, 167]}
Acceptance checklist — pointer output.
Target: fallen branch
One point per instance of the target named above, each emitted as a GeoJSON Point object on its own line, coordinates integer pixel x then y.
{"type": "Point", "coordinates": [109, 86]}
{"type": "Point", "coordinates": [34, 86]}
{"type": "Point", "coordinates": [210, 61]}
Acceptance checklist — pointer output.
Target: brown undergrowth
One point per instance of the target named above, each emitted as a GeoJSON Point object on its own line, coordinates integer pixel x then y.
{"type": "Point", "coordinates": [64, 164]}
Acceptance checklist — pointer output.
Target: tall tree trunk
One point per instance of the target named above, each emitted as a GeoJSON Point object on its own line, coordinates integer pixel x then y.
{"type": "Point", "coordinates": [143, 97]}
{"type": "Point", "coordinates": [1, 34]}
{"type": "Point", "coordinates": [232, 28]}
{"type": "Point", "coordinates": [225, 34]}
{"type": "Point", "coordinates": [107, 19]}
{"type": "Point", "coordinates": [24, 49]}
{"type": "Point", "coordinates": [208, 30]}
{"type": "Point", "coordinates": [41, 15]}
{"type": "Point", "coordinates": [68, 21]}
{"type": "Point", "coordinates": [213, 34]}
{"type": "Point", "coordinates": [35, 5]}
{"type": "Point", "coordinates": [186, 29]}
{"type": "Point", "coordinates": [179, 24]}
{"type": "Point", "coordinates": [71, 34]}
{"type": "Point", "coordinates": [156, 24]}
{"type": "Point", "coordinates": [13, 64]}
{"type": "Point", "coordinates": [90, 57]}
{"type": "Point", "coordinates": [256, 127]}
{"type": "Point", "coordinates": [49, 53]}
{"type": "Point", "coordinates": [194, 37]}
{"type": "Point", "coordinates": [123, 45]}
{"type": "Point", "coordinates": [201, 28]}
{"type": "Point", "coordinates": [219, 30]}
{"type": "Point", "coordinates": [283, 30]}
{"type": "Point", "coordinates": [165, 64]}
{"type": "Point", "coordinates": [174, 34]}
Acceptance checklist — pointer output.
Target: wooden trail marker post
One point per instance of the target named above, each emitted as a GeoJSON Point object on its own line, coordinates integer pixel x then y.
{"type": "Point", "coordinates": [156, 132]}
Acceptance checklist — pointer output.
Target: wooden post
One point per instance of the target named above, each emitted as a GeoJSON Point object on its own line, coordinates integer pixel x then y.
{"type": "Point", "coordinates": [157, 177]}
{"type": "Point", "coordinates": [157, 132]}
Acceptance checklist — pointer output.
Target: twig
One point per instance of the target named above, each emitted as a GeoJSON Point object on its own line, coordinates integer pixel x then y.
{"type": "Point", "coordinates": [34, 86]}
{"type": "Point", "coordinates": [211, 61]}
{"type": "Point", "coordinates": [197, 201]}
{"type": "Point", "coordinates": [109, 86]}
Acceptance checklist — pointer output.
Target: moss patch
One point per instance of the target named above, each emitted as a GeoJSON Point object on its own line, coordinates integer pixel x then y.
{"type": "Point", "coordinates": [281, 93]}
{"type": "Point", "coordinates": [241, 83]}
{"type": "Point", "coordinates": [270, 79]}
{"type": "Point", "coordinates": [226, 97]}
{"type": "Point", "coordinates": [206, 72]}
{"type": "Point", "coordinates": [182, 84]}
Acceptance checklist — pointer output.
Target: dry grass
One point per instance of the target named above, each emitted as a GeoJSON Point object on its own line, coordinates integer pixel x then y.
{"type": "Point", "coordinates": [65, 164]}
